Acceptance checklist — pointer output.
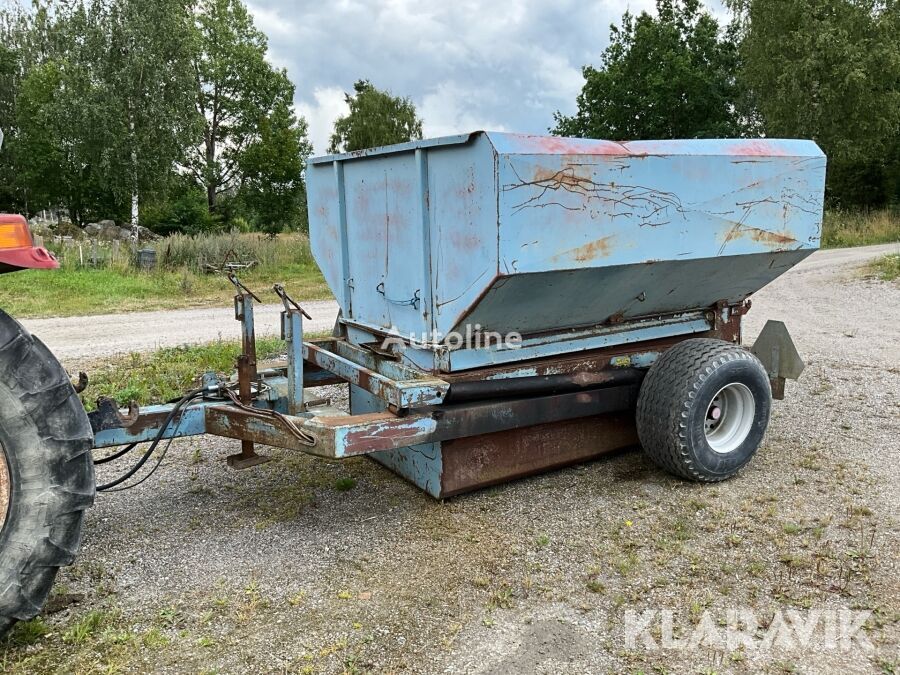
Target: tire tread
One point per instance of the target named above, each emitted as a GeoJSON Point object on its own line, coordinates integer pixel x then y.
{"type": "Point", "coordinates": [665, 396]}
{"type": "Point", "coordinates": [34, 375]}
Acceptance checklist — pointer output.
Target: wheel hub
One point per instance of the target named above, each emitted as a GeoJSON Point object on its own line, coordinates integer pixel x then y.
{"type": "Point", "coordinates": [729, 418]}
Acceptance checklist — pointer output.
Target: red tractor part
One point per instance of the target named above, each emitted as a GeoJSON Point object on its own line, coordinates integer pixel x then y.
{"type": "Point", "coordinates": [17, 249]}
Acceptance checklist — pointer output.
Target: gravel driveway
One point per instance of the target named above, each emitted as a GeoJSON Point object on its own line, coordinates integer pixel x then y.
{"type": "Point", "coordinates": [291, 567]}
{"type": "Point", "coordinates": [77, 339]}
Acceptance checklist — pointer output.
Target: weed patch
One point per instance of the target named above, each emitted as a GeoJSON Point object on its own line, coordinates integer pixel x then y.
{"type": "Point", "coordinates": [887, 268]}
{"type": "Point", "coordinates": [842, 228]}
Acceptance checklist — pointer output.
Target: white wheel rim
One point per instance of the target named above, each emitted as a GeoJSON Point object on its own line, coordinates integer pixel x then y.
{"type": "Point", "coordinates": [729, 418]}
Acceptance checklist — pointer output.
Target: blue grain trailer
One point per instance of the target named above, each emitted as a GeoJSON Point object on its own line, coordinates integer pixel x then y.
{"type": "Point", "coordinates": [508, 304]}
{"type": "Point", "coordinates": [598, 257]}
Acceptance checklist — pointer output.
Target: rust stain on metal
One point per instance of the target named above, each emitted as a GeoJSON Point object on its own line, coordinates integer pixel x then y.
{"type": "Point", "coordinates": [599, 248]}
{"type": "Point", "coordinates": [771, 239]}
{"type": "Point", "coordinates": [558, 145]}
{"type": "Point", "coordinates": [337, 421]}
{"type": "Point", "coordinates": [152, 420]}
{"type": "Point", "coordinates": [549, 186]}
{"type": "Point", "coordinates": [490, 459]}
{"type": "Point", "coordinates": [232, 422]}
{"type": "Point", "coordinates": [756, 148]}
{"type": "Point", "coordinates": [388, 435]}
{"type": "Point", "coordinates": [465, 242]}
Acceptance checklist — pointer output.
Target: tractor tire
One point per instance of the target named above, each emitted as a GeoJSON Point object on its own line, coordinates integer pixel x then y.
{"type": "Point", "coordinates": [46, 472]}
{"type": "Point", "coordinates": [703, 409]}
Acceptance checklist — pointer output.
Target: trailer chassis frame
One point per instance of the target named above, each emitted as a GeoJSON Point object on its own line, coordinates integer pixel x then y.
{"type": "Point", "coordinates": [267, 405]}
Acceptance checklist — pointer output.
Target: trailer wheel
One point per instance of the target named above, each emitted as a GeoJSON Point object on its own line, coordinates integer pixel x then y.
{"type": "Point", "coordinates": [703, 409]}
{"type": "Point", "coordinates": [46, 472]}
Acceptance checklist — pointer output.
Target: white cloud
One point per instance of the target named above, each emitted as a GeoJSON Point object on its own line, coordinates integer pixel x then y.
{"type": "Point", "coordinates": [448, 110]}
{"type": "Point", "coordinates": [327, 105]}
{"type": "Point", "coordinates": [270, 21]}
{"type": "Point", "coordinates": [467, 64]}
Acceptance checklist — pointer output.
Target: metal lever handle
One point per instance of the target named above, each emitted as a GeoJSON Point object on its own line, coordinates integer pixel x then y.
{"type": "Point", "coordinates": [240, 287]}
{"type": "Point", "coordinates": [287, 300]}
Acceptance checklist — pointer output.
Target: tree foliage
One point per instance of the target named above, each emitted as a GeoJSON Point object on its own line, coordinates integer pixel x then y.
{"type": "Point", "coordinates": [147, 66]}
{"type": "Point", "coordinates": [666, 76]}
{"type": "Point", "coordinates": [236, 89]}
{"type": "Point", "coordinates": [271, 167]}
{"type": "Point", "coordinates": [375, 118]}
{"type": "Point", "coordinates": [61, 128]}
{"type": "Point", "coordinates": [9, 80]}
{"type": "Point", "coordinates": [94, 81]}
{"type": "Point", "coordinates": [830, 70]}
{"type": "Point", "coordinates": [103, 101]}
{"type": "Point", "coordinates": [174, 103]}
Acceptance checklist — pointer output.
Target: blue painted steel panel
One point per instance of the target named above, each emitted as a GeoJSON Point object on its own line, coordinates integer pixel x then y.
{"type": "Point", "coordinates": [624, 210]}
{"type": "Point", "coordinates": [292, 334]}
{"type": "Point", "coordinates": [543, 301]}
{"type": "Point", "coordinates": [546, 344]}
{"type": "Point", "coordinates": [463, 201]}
{"type": "Point", "coordinates": [386, 250]}
{"type": "Point", "coordinates": [531, 233]}
{"type": "Point", "coordinates": [420, 464]}
{"type": "Point", "coordinates": [557, 344]}
{"type": "Point", "coordinates": [393, 149]}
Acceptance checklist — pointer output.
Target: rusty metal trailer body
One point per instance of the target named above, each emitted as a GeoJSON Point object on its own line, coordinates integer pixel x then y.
{"type": "Point", "coordinates": [502, 297]}
{"type": "Point", "coordinates": [574, 244]}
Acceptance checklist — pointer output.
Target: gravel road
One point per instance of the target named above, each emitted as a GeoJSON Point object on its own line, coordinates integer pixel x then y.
{"type": "Point", "coordinates": [282, 568]}
{"type": "Point", "coordinates": [76, 338]}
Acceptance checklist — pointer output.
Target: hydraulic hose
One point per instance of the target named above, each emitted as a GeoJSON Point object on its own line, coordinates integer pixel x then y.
{"type": "Point", "coordinates": [162, 429]}
{"type": "Point", "coordinates": [116, 455]}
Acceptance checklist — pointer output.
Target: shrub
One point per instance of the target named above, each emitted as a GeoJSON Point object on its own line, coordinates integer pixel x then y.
{"type": "Point", "coordinates": [194, 252]}
{"type": "Point", "coordinates": [183, 209]}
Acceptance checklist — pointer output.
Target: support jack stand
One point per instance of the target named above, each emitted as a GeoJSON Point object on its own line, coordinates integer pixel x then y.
{"type": "Point", "coordinates": [247, 457]}
{"type": "Point", "coordinates": [246, 368]}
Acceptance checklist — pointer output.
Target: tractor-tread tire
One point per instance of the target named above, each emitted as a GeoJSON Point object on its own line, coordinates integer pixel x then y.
{"type": "Point", "coordinates": [46, 439]}
{"type": "Point", "coordinates": [666, 401]}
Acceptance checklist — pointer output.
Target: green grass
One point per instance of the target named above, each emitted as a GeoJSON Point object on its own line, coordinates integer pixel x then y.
{"type": "Point", "coordinates": [887, 267]}
{"type": "Point", "coordinates": [344, 484]}
{"type": "Point", "coordinates": [85, 627]}
{"type": "Point", "coordinates": [167, 373]}
{"type": "Point", "coordinates": [83, 292]}
{"type": "Point", "coordinates": [842, 228]}
{"type": "Point", "coordinates": [77, 290]}
{"type": "Point", "coordinates": [27, 633]}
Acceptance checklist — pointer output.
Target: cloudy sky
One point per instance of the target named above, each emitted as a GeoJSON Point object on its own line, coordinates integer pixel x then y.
{"type": "Point", "coordinates": [466, 64]}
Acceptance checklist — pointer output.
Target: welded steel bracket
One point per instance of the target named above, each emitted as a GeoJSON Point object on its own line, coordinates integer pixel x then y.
{"type": "Point", "coordinates": [339, 435]}
{"type": "Point", "coordinates": [775, 349]}
{"type": "Point", "coordinates": [397, 384]}
{"type": "Point", "coordinates": [292, 334]}
{"type": "Point", "coordinates": [108, 416]}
